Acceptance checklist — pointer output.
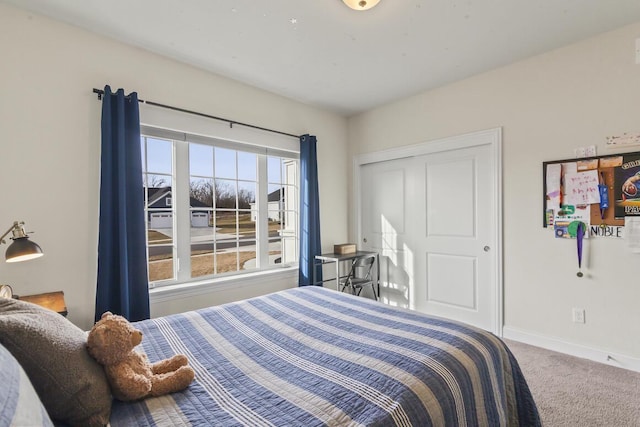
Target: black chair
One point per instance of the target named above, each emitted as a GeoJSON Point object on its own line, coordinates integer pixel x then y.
{"type": "Point", "coordinates": [360, 276]}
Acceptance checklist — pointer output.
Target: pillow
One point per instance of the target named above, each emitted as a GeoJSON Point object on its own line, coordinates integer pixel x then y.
{"type": "Point", "coordinates": [52, 351]}
{"type": "Point", "coordinates": [19, 402]}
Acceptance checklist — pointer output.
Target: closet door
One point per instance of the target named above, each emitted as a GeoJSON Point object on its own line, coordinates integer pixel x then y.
{"type": "Point", "coordinates": [387, 223]}
{"type": "Point", "coordinates": [432, 218]}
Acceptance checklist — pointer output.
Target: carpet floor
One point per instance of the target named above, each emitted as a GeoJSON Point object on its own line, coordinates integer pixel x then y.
{"type": "Point", "coordinates": [570, 391]}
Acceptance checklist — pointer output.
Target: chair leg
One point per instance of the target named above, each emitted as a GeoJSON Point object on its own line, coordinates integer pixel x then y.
{"type": "Point", "coordinates": [350, 286]}
{"type": "Point", "coordinates": [373, 289]}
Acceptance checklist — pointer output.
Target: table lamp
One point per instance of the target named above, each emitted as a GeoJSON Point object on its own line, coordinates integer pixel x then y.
{"type": "Point", "coordinates": [22, 249]}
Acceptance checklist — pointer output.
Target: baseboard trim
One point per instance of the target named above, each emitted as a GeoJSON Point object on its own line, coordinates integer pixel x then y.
{"type": "Point", "coordinates": [555, 344]}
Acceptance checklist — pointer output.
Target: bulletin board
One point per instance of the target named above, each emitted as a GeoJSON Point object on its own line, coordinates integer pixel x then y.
{"type": "Point", "coordinates": [573, 191]}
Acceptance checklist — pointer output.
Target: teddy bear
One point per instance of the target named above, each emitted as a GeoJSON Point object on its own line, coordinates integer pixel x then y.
{"type": "Point", "coordinates": [111, 342]}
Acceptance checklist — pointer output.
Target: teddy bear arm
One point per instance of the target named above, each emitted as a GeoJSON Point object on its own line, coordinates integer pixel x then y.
{"type": "Point", "coordinates": [172, 381]}
{"type": "Point", "coordinates": [169, 365]}
{"type": "Point", "coordinates": [127, 384]}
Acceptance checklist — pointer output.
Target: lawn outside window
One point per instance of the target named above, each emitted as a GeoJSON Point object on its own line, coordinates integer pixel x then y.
{"type": "Point", "coordinates": [216, 208]}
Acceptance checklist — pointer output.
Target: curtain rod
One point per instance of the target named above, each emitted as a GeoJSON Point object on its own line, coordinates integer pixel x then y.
{"type": "Point", "coordinates": [100, 92]}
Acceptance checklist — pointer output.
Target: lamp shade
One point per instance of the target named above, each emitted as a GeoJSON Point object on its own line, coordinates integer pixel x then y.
{"type": "Point", "coordinates": [361, 4]}
{"type": "Point", "coordinates": [22, 249]}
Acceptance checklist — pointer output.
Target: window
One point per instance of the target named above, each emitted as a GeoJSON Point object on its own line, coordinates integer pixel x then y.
{"type": "Point", "coordinates": [213, 207]}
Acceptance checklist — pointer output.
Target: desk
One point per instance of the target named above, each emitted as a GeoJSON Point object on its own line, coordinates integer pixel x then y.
{"type": "Point", "coordinates": [338, 258]}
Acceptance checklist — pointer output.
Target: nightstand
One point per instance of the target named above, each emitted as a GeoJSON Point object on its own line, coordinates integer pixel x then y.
{"type": "Point", "coordinates": [51, 300]}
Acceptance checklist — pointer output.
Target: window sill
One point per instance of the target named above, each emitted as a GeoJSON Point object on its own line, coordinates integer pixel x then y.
{"type": "Point", "coordinates": [200, 287]}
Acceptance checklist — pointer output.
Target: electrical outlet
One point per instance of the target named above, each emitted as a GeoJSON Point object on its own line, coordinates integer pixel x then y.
{"type": "Point", "coordinates": [578, 315]}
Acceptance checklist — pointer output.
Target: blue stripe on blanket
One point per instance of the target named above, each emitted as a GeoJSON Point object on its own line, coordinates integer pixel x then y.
{"type": "Point", "coordinates": [312, 356]}
{"type": "Point", "coordinates": [323, 376]}
{"type": "Point", "coordinates": [365, 341]}
{"type": "Point", "coordinates": [427, 323]}
{"type": "Point", "coordinates": [232, 378]}
{"type": "Point", "coordinates": [419, 330]}
{"type": "Point", "coordinates": [333, 338]}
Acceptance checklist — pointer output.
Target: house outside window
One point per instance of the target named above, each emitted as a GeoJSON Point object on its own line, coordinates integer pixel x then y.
{"type": "Point", "coordinates": [216, 208]}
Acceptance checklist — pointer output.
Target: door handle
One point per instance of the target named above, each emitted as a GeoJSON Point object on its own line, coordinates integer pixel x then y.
{"type": "Point", "coordinates": [487, 248]}
{"type": "Point", "coordinates": [364, 240]}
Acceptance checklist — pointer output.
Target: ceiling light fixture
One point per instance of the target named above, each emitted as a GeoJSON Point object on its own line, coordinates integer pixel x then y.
{"type": "Point", "coordinates": [361, 4]}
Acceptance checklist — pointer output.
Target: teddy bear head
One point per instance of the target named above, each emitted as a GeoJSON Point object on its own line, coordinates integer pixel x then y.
{"type": "Point", "coordinates": [112, 338]}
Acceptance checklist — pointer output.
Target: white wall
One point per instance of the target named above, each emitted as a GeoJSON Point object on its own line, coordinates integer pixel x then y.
{"type": "Point", "coordinates": [50, 139]}
{"type": "Point", "coordinates": [546, 105]}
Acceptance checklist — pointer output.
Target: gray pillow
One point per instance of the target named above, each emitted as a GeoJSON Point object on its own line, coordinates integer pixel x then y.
{"type": "Point", "coordinates": [52, 350]}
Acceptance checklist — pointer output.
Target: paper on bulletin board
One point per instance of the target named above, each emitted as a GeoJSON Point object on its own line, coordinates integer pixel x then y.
{"type": "Point", "coordinates": [566, 221]}
{"type": "Point", "coordinates": [581, 188]}
{"type": "Point", "coordinates": [585, 165]}
{"type": "Point", "coordinates": [570, 167]}
{"type": "Point", "coordinates": [556, 197]}
{"type": "Point", "coordinates": [554, 172]}
{"type": "Point", "coordinates": [611, 162]}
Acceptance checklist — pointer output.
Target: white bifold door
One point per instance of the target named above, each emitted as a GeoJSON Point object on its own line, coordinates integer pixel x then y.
{"type": "Point", "coordinates": [434, 219]}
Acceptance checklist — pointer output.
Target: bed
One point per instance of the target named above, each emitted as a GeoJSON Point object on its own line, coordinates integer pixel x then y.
{"type": "Point", "coordinates": [312, 357]}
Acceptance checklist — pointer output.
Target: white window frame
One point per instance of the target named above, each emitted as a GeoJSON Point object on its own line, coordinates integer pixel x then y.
{"type": "Point", "coordinates": [181, 201]}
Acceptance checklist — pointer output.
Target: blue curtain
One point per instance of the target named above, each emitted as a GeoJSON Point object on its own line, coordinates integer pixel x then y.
{"type": "Point", "coordinates": [122, 286]}
{"type": "Point", "coordinates": [309, 212]}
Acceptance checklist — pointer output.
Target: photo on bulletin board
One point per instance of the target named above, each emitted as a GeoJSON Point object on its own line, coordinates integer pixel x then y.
{"type": "Point", "coordinates": [627, 192]}
{"type": "Point", "coordinates": [598, 191]}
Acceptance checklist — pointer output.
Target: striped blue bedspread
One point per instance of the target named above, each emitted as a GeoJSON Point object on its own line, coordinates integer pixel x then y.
{"type": "Point", "coordinates": [312, 357]}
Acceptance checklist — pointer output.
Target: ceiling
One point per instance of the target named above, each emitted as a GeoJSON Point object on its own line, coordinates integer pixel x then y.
{"type": "Point", "coordinates": [324, 54]}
